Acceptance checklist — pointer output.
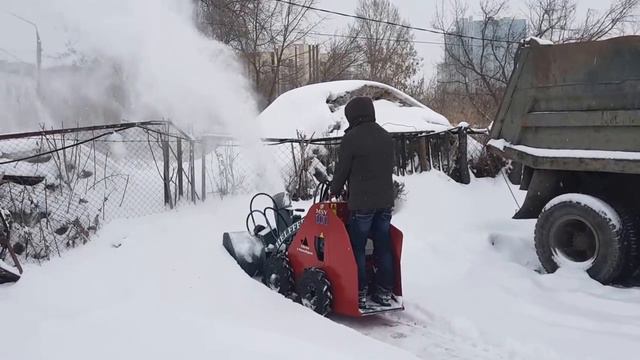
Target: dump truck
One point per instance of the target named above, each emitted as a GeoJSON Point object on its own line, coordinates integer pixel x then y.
{"type": "Point", "coordinates": [570, 117]}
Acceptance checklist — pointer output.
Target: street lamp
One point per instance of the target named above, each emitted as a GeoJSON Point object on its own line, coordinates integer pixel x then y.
{"type": "Point", "coordinates": [38, 46]}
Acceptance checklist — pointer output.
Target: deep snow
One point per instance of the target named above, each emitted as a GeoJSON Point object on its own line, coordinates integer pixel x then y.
{"type": "Point", "coordinates": [162, 287]}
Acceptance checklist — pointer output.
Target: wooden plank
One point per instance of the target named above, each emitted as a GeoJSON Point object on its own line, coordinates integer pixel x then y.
{"type": "Point", "coordinates": [582, 119]}
{"type": "Point", "coordinates": [422, 154]}
{"type": "Point", "coordinates": [573, 164]}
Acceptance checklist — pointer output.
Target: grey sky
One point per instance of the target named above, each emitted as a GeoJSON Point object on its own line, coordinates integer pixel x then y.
{"type": "Point", "coordinates": [17, 37]}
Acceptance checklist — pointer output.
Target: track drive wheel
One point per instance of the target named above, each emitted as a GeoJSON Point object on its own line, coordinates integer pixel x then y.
{"type": "Point", "coordinates": [277, 274]}
{"type": "Point", "coordinates": [314, 290]}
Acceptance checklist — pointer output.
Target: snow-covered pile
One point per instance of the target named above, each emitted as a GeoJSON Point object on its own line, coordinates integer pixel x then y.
{"type": "Point", "coordinates": [318, 110]}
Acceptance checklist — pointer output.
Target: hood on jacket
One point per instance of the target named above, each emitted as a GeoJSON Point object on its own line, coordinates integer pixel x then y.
{"type": "Point", "coordinates": [359, 110]}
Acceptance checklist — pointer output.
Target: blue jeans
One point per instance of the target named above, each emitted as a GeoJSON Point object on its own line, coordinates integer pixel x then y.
{"type": "Point", "coordinates": [374, 224]}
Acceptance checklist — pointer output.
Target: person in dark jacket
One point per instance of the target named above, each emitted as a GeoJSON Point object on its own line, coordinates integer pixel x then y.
{"type": "Point", "coordinates": [366, 160]}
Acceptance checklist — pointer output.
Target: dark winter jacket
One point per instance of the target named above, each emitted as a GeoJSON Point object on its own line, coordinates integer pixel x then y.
{"type": "Point", "coordinates": [365, 159]}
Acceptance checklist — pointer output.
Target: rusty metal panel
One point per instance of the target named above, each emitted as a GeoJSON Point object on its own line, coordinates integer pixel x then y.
{"type": "Point", "coordinates": [575, 96]}
{"type": "Point", "coordinates": [574, 164]}
{"type": "Point", "coordinates": [582, 118]}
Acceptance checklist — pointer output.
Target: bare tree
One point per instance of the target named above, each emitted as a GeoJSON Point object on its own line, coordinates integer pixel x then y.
{"type": "Point", "coordinates": [262, 32]}
{"type": "Point", "coordinates": [342, 56]}
{"type": "Point", "coordinates": [551, 19]}
{"type": "Point", "coordinates": [389, 55]}
{"type": "Point", "coordinates": [292, 25]}
{"type": "Point", "coordinates": [555, 20]}
{"type": "Point", "coordinates": [480, 55]}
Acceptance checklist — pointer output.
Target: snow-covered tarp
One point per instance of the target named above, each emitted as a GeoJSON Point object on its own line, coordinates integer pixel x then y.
{"type": "Point", "coordinates": [318, 110]}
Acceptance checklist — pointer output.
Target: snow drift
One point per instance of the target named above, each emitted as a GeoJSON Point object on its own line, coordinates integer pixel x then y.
{"type": "Point", "coordinates": [318, 110]}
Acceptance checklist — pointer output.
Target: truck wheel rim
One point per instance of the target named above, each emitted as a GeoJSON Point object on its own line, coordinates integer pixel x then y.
{"type": "Point", "coordinates": [574, 239]}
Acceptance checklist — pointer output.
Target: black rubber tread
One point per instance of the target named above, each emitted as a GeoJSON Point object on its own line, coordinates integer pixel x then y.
{"type": "Point", "coordinates": [314, 290]}
{"type": "Point", "coordinates": [277, 274]}
{"type": "Point", "coordinates": [630, 242]}
{"type": "Point", "coordinates": [615, 243]}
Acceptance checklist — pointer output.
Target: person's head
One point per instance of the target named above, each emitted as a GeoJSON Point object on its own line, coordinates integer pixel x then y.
{"type": "Point", "coordinates": [360, 109]}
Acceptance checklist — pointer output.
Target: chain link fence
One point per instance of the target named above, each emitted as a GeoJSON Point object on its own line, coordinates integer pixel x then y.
{"type": "Point", "coordinates": [58, 186]}
{"type": "Point", "coordinates": [303, 163]}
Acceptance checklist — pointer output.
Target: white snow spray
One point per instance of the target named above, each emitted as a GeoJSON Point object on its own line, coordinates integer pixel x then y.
{"type": "Point", "coordinates": [131, 60]}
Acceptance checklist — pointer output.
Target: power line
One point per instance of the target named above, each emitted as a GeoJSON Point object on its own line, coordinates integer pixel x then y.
{"type": "Point", "coordinates": [404, 26]}
{"type": "Point", "coordinates": [358, 37]}
{"type": "Point", "coordinates": [370, 38]}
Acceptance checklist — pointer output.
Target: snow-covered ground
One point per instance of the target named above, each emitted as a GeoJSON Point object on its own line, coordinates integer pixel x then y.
{"type": "Point", "coordinates": [163, 287]}
{"type": "Point", "coordinates": [315, 111]}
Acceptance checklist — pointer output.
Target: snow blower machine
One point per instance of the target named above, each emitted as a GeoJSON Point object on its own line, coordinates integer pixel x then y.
{"type": "Point", "coordinates": [309, 259]}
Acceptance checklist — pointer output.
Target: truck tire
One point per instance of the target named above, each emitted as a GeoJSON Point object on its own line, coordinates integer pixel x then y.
{"type": "Point", "coordinates": [630, 245]}
{"type": "Point", "coordinates": [584, 231]}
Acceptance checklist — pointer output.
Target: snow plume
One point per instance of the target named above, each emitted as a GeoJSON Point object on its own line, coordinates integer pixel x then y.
{"type": "Point", "coordinates": [153, 51]}
{"type": "Point", "coordinates": [106, 61]}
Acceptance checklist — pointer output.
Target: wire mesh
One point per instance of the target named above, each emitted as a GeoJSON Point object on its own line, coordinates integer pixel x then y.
{"type": "Point", "coordinates": [58, 187]}
{"type": "Point", "coordinates": [302, 164]}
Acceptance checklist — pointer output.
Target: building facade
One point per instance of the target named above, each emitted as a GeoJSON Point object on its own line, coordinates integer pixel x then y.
{"type": "Point", "coordinates": [485, 46]}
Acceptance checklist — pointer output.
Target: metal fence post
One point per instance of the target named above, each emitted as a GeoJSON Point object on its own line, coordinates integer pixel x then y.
{"type": "Point", "coordinates": [463, 160]}
{"type": "Point", "coordinates": [192, 168]}
{"type": "Point", "coordinates": [180, 170]}
{"type": "Point", "coordinates": [165, 173]}
{"type": "Point", "coordinates": [203, 145]}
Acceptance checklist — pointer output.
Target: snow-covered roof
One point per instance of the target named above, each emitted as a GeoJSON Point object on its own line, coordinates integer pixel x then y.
{"type": "Point", "coordinates": [318, 110]}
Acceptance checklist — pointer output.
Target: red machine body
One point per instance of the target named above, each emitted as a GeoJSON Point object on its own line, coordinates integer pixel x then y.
{"type": "Point", "coordinates": [323, 242]}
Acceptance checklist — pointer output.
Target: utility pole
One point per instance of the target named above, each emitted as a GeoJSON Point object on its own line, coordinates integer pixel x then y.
{"type": "Point", "coordinates": [38, 48]}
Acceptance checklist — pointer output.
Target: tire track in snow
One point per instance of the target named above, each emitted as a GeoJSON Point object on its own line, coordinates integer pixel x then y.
{"type": "Point", "coordinates": [426, 336]}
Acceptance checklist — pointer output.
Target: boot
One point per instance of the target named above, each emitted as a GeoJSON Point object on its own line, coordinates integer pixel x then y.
{"type": "Point", "coordinates": [362, 298]}
{"type": "Point", "coordinates": [382, 296]}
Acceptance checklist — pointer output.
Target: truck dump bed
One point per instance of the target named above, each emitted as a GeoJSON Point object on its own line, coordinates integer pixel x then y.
{"type": "Point", "coordinates": [573, 107]}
